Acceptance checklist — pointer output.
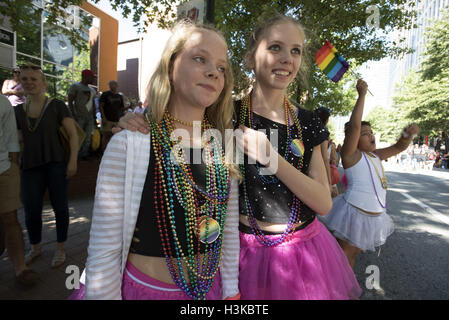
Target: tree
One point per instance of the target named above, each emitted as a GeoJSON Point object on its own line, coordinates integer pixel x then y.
{"type": "Point", "coordinates": [387, 122]}
{"type": "Point", "coordinates": [423, 95]}
{"type": "Point", "coordinates": [425, 102]}
{"type": "Point", "coordinates": [436, 59]}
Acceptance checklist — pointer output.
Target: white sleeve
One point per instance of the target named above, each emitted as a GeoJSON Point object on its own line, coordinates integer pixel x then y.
{"type": "Point", "coordinates": [103, 265]}
{"type": "Point", "coordinates": [229, 268]}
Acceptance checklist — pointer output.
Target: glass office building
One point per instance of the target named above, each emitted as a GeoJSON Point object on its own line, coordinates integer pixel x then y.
{"type": "Point", "coordinates": [50, 47]}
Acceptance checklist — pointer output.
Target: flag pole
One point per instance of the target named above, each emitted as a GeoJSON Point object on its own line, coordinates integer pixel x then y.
{"type": "Point", "coordinates": [355, 76]}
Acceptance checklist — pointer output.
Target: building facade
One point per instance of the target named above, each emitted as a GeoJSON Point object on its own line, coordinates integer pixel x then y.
{"type": "Point", "coordinates": [49, 47]}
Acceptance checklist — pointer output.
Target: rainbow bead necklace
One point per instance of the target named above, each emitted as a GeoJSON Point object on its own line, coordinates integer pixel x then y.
{"type": "Point", "coordinates": [174, 181]}
{"type": "Point", "coordinates": [246, 112]}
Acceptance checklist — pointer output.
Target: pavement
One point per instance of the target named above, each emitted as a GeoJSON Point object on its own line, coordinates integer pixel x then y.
{"type": "Point", "coordinates": [52, 282]}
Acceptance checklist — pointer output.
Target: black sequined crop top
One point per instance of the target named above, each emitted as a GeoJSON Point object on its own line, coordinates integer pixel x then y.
{"type": "Point", "coordinates": [271, 202]}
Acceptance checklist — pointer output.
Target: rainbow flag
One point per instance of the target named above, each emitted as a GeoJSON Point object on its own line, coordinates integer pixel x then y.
{"type": "Point", "coordinates": [330, 62]}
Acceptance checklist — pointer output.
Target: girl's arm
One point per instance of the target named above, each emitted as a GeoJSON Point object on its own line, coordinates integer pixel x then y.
{"type": "Point", "coordinates": [69, 126]}
{"type": "Point", "coordinates": [404, 141]}
{"type": "Point", "coordinates": [349, 151]}
{"type": "Point", "coordinates": [229, 265]}
{"type": "Point", "coordinates": [323, 147]}
{"type": "Point", "coordinates": [312, 190]}
{"type": "Point", "coordinates": [103, 265]}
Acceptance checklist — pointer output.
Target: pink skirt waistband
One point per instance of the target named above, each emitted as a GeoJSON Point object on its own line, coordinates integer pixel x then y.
{"type": "Point", "coordinates": [313, 229]}
{"type": "Point", "coordinates": [145, 280]}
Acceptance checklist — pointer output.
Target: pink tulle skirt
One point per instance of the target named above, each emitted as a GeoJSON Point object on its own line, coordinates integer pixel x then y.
{"type": "Point", "coordinates": [138, 286]}
{"type": "Point", "coordinates": [309, 266]}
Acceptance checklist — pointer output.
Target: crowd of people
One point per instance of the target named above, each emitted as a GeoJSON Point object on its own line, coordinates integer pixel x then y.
{"type": "Point", "coordinates": [421, 157]}
{"type": "Point", "coordinates": [272, 226]}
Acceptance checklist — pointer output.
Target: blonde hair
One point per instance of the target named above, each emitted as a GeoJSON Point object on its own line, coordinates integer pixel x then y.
{"type": "Point", "coordinates": [159, 89]}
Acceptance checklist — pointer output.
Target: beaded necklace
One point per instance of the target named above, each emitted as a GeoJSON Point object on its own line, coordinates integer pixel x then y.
{"type": "Point", "coordinates": [383, 205]}
{"type": "Point", "coordinates": [383, 178]}
{"type": "Point", "coordinates": [246, 112]}
{"type": "Point", "coordinates": [174, 181]}
{"type": "Point", "coordinates": [30, 127]}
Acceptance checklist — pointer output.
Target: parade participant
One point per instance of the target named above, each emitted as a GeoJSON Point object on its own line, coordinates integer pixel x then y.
{"type": "Point", "coordinates": [286, 253]}
{"type": "Point", "coordinates": [324, 114]}
{"type": "Point", "coordinates": [358, 218]}
{"type": "Point", "coordinates": [81, 103]}
{"type": "Point", "coordinates": [111, 106]}
{"type": "Point", "coordinates": [161, 226]}
{"type": "Point", "coordinates": [44, 164]}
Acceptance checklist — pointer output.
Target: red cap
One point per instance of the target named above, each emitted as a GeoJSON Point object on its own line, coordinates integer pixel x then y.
{"type": "Point", "coordinates": [87, 72]}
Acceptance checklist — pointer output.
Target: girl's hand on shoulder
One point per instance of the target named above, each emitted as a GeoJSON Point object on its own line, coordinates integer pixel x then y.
{"type": "Point", "coordinates": [132, 122]}
{"type": "Point", "coordinates": [255, 145]}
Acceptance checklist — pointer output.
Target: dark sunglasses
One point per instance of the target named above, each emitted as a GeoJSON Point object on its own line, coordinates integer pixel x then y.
{"type": "Point", "coordinates": [16, 72]}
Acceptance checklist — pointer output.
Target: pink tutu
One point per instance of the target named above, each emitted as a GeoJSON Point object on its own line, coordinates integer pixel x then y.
{"type": "Point", "coordinates": [138, 286]}
{"type": "Point", "coordinates": [310, 266]}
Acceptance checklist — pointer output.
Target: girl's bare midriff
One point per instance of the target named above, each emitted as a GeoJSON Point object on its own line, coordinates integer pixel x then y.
{"type": "Point", "coordinates": [156, 267]}
{"type": "Point", "coordinates": [267, 226]}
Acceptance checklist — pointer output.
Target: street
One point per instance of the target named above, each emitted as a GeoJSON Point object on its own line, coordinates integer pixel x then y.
{"type": "Point", "coordinates": [414, 262]}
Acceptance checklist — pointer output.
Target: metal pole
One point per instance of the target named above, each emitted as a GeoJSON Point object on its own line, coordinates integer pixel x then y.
{"type": "Point", "coordinates": [210, 11]}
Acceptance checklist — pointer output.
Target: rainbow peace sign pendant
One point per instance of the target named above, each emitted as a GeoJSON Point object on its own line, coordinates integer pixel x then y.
{"type": "Point", "coordinates": [209, 229]}
{"type": "Point", "coordinates": [297, 147]}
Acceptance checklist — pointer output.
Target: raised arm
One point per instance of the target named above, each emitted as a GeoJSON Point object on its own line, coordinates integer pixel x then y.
{"type": "Point", "coordinates": [349, 151]}
{"type": "Point", "coordinates": [402, 144]}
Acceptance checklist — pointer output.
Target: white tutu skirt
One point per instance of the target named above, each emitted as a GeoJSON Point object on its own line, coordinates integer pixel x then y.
{"type": "Point", "coordinates": [363, 230]}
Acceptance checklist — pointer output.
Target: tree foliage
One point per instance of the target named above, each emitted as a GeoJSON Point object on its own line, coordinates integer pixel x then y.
{"type": "Point", "coordinates": [21, 15]}
{"type": "Point", "coordinates": [387, 122]}
{"type": "Point", "coordinates": [437, 47]}
{"type": "Point", "coordinates": [423, 96]}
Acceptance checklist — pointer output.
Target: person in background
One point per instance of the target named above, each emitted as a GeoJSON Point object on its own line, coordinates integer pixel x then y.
{"type": "Point", "coordinates": [11, 236]}
{"type": "Point", "coordinates": [324, 114]}
{"type": "Point", "coordinates": [81, 104]}
{"type": "Point", "coordinates": [44, 163]}
{"type": "Point", "coordinates": [111, 107]}
{"type": "Point", "coordinates": [12, 88]}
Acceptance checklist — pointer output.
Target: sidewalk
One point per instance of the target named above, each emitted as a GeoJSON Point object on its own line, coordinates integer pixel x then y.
{"type": "Point", "coordinates": [52, 281]}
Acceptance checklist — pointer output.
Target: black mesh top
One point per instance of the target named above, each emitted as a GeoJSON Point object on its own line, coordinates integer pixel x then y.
{"type": "Point", "coordinates": [271, 202]}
